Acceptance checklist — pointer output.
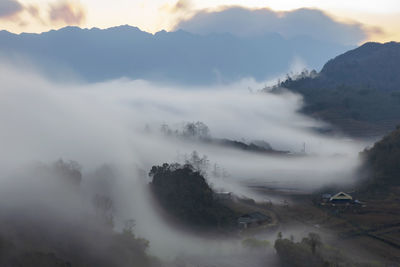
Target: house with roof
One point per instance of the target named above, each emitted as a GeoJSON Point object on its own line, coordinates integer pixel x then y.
{"type": "Point", "coordinates": [252, 219]}
{"type": "Point", "coordinates": [341, 198]}
{"type": "Point", "coordinates": [223, 196]}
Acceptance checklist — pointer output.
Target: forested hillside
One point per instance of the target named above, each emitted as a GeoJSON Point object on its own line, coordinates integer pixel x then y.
{"type": "Point", "coordinates": [358, 91]}
{"type": "Point", "coordinates": [184, 193]}
{"type": "Point", "coordinates": [384, 160]}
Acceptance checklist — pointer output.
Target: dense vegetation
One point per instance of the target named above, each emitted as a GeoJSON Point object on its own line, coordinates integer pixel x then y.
{"type": "Point", "coordinates": [85, 246]}
{"type": "Point", "coordinates": [184, 193]}
{"type": "Point", "coordinates": [358, 91]}
{"type": "Point", "coordinates": [384, 160]}
{"type": "Point", "coordinates": [198, 131]}
{"type": "Point", "coordinates": [56, 235]}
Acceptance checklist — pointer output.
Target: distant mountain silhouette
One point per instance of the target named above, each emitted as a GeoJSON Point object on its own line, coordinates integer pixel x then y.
{"type": "Point", "coordinates": [359, 91]}
{"type": "Point", "coordinates": [125, 51]}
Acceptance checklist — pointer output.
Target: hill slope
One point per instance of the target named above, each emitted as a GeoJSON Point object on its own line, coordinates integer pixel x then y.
{"type": "Point", "coordinates": [384, 160]}
{"type": "Point", "coordinates": [358, 91]}
{"type": "Point", "coordinates": [372, 65]}
{"type": "Point", "coordinates": [184, 193]}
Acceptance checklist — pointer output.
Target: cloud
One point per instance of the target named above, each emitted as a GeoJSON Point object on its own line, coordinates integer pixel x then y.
{"type": "Point", "coordinates": [67, 12]}
{"type": "Point", "coordinates": [181, 10]}
{"type": "Point", "coordinates": [45, 115]}
{"type": "Point", "coordinates": [9, 8]}
{"type": "Point", "coordinates": [250, 22]}
{"type": "Point", "coordinates": [33, 10]}
{"type": "Point", "coordinates": [182, 5]}
{"type": "Point", "coordinates": [62, 12]}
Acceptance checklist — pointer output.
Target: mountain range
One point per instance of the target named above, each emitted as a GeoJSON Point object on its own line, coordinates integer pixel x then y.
{"type": "Point", "coordinates": [96, 55]}
{"type": "Point", "coordinates": [357, 91]}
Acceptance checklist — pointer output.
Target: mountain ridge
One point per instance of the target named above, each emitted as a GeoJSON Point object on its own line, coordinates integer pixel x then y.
{"type": "Point", "coordinates": [358, 91]}
{"type": "Point", "coordinates": [359, 62]}
{"type": "Point", "coordinates": [182, 57]}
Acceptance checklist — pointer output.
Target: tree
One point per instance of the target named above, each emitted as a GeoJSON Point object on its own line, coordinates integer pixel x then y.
{"type": "Point", "coordinates": [183, 192]}
{"type": "Point", "coordinates": [384, 158]}
{"type": "Point", "coordinates": [279, 235]}
{"type": "Point", "coordinates": [165, 129]}
{"type": "Point", "coordinates": [104, 209]}
{"type": "Point", "coordinates": [197, 130]}
{"type": "Point", "coordinates": [128, 226]}
{"type": "Point", "coordinates": [200, 164]}
{"type": "Point", "coordinates": [314, 241]}
{"type": "Point", "coordinates": [68, 170]}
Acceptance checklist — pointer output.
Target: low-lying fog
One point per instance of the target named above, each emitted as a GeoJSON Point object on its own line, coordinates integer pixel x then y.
{"type": "Point", "coordinates": [117, 124]}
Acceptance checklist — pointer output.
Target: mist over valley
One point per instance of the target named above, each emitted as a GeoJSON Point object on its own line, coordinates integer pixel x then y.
{"type": "Point", "coordinates": [212, 144]}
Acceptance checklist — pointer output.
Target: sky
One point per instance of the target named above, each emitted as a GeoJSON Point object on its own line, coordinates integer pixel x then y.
{"type": "Point", "coordinates": [381, 17]}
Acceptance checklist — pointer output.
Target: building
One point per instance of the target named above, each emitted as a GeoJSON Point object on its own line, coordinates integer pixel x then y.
{"type": "Point", "coordinates": [252, 219]}
{"type": "Point", "coordinates": [341, 198]}
{"type": "Point", "coordinates": [223, 196]}
{"type": "Point", "coordinates": [325, 198]}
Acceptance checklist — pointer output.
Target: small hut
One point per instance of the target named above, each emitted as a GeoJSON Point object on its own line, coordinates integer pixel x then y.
{"type": "Point", "coordinates": [252, 219]}
{"type": "Point", "coordinates": [341, 198]}
{"type": "Point", "coordinates": [223, 196]}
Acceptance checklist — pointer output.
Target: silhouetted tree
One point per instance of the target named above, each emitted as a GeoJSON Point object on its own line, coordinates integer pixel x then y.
{"type": "Point", "coordinates": [68, 170]}
{"type": "Point", "coordinates": [196, 130]}
{"type": "Point", "coordinates": [313, 240]}
{"type": "Point", "coordinates": [185, 194]}
{"type": "Point", "coordinates": [104, 209]}
{"type": "Point", "coordinates": [200, 164]}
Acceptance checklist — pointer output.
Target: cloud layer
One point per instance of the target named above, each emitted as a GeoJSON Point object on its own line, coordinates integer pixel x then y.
{"type": "Point", "coordinates": [67, 12]}
{"type": "Point", "coordinates": [61, 12]}
{"type": "Point", "coordinates": [9, 8]}
{"type": "Point", "coordinates": [250, 22]}
{"type": "Point", "coordinates": [105, 123]}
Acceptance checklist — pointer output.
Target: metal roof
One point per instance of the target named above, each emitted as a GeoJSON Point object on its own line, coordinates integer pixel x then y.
{"type": "Point", "coordinates": [341, 195]}
{"type": "Point", "coordinates": [253, 217]}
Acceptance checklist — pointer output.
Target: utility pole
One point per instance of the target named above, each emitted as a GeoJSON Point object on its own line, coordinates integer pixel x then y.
{"type": "Point", "coordinates": [304, 148]}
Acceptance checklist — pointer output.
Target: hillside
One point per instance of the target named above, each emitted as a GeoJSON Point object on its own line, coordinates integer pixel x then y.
{"type": "Point", "coordinates": [180, 57]}
{"type": "Point", "coordinates": [33, 233]}
{"type": "Point", "coordinates": [370, 225]}
{"type": "Point", "coordinates": [358, 91]}
{"type": "Point", "coordinates": [372, 65]}
{"type": "Point", "coordinates": [383, 159]}
{"type": "Point", "coordinates": [184, 193]}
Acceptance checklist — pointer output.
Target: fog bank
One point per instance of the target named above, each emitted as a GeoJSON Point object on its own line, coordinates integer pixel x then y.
{"type": "Point", "coordinates": [117, 125]}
